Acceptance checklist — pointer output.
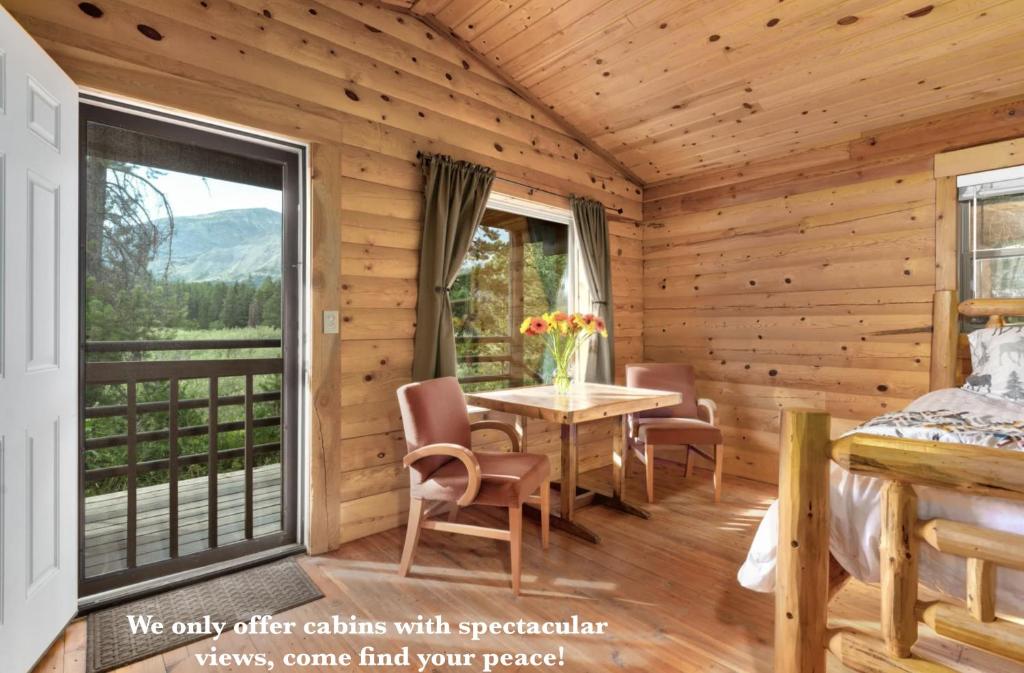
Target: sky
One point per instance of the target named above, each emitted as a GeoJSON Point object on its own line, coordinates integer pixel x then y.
{"type": "Point", "coordinates": [192, 195]}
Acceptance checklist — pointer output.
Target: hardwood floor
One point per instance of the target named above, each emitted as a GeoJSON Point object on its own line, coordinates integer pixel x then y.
{"type": "Point", "coordinates": [666, 586]}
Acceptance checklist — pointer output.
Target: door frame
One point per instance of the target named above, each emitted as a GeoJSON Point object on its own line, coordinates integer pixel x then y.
{"type": "Point", "coordinates": [183, 126]}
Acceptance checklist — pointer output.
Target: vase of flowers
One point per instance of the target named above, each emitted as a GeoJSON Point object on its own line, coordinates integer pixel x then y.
{"type": "Point", "coordinates": [563, 334]}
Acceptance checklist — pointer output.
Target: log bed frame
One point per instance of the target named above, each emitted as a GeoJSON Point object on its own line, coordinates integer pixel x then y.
{"type": "Point", "coordinates": [807, 577]}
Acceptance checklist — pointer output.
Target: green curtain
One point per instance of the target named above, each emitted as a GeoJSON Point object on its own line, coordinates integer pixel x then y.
{"type": "Point", "coordinates": [591, 227]}
{"type": "Point", "coordinates": [454, 198]}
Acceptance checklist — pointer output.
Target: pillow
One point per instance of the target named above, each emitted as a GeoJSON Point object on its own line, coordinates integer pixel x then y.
{"type": "Point", "coordinates": [997, 360]}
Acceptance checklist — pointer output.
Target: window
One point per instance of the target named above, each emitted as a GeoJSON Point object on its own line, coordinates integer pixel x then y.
{"type": "Point", "coordinates": [522, 261]}
{"type": "Point", "coordinates": [991, 217]}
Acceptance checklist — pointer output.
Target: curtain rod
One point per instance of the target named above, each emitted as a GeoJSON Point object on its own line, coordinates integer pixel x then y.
{"type": "Point", "coordinates": [617, 211]}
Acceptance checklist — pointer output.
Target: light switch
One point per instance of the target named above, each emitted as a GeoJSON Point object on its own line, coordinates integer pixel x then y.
{"type": "Point", "coordinates": [330, 322]}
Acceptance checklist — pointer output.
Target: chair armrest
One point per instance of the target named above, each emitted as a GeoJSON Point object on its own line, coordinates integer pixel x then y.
{"type": "Point", "coordinates": [507, 428]}
{"type": "Point", "coordinates": [454, 451]}
{"type": "Point", "coordinates": [706, 407]}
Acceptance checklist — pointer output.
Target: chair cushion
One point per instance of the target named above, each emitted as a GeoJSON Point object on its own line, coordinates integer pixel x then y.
{"type": "Point", "coordinates": [507, 479]}
{"type": "Point", "coordinates": [675, 431]}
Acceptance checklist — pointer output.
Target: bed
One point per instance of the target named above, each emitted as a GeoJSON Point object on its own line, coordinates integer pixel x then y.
{"type": "Point", "coordinates": [950, 415]}
{"type": "Point", "coordinates": [933, 493]}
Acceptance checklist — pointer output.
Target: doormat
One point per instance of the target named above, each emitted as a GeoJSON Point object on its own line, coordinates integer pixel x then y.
{"type": "Point", "coordinates": [263, 590]}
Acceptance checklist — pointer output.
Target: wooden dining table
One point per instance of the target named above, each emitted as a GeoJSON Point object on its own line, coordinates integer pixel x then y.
{"type": "Point", "coordinates": [583, 403]}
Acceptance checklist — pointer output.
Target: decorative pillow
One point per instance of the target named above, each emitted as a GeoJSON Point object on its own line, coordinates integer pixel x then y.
{"type": "Point", "coordinates": [997, 361]}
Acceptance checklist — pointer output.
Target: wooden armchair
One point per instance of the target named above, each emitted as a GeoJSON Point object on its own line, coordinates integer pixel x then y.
{"type": "Point", "coordinates": [690, 424]}
{"type": "Point", "coordinates": [444, 468]}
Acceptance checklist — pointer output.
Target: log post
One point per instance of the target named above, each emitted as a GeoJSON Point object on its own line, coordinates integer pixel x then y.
{"type": "Point", "coordinates": [802, 567]}
{"type": "Point", "coordinates": [899, 554]}
{"type": "Point", "coordinates": [945, 339]}
{"type": "Point", "coordinates": [981, 589]}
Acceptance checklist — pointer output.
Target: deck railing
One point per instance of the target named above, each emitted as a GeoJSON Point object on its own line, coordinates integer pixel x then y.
{"type": "Point", "coordinates": [513, 373]}
{"type": "Point", "coordinates": [131, 373]}
{"type": "Point", "coordinates": [469, 359]}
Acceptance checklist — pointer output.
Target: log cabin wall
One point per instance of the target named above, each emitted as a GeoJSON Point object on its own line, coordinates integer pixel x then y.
{"type": "Point", "coordinates": [807, 281]}
{"type": "Point", "coordinates": [368, 88]}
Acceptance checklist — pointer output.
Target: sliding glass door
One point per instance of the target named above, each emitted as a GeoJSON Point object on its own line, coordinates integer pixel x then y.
{"type": "Point", "coordinates": [189, 376]}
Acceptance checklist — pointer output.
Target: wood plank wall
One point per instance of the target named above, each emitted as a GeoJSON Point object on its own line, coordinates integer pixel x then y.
{"type": "Point", "coordinates": [806, 280]}
{"type": "Point", "coordinates": [368, 88]}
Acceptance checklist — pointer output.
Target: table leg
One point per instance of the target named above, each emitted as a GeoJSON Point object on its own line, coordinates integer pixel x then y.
{"type": "Point", "coordinates": [571, 496]}
{"type": "Point", "coordinates": [616, 499]}
{"type": "Point", "coordinates": [619, 460]}
{"type": "Point", "coordinates": [570, 466]}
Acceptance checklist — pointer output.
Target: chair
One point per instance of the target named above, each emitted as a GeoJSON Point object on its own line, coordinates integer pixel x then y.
{"type": "Point", "coordinates": [445, 469]}
{"type": "Point", "coordinates": [690, 424]}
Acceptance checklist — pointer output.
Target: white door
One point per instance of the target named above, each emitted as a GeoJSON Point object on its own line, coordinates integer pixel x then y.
{"type": "Point", "coordinates": [38, 357]}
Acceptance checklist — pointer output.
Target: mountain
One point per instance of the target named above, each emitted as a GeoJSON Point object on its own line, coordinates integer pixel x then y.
{"type": "Point", "coordinates": [226, 245]}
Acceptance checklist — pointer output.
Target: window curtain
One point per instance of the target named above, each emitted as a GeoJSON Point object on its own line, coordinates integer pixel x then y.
{"type": "Point", "coordinates": [591, 227]}
{"type": "Point", "coordinates": [454, 198]}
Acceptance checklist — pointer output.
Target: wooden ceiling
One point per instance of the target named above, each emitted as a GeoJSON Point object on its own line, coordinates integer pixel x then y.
{"type": "Point", "coordinates": [677, 87]}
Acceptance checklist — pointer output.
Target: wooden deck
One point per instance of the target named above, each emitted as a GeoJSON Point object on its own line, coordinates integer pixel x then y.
{"type": "Point", "coordinates": [106, 525]}
{"type": "Point", "coordinates": [667, 586]}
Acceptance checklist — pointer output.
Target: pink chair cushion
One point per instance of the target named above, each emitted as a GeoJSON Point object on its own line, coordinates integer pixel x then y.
{"type": "Point", "coordinates": [676, 431]}
{"type": "Point", "coordinates": [434, 412]}
{"type": "Point", "coordinates": [506, 479]}
{"type": "Point", "coordinates": [671, 376]}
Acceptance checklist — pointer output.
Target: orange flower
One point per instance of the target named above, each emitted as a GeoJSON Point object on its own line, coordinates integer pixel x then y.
{"type": "Point", "coordinates": [537, 326]}
{"type": "Point", "coordinates": [561, 325]}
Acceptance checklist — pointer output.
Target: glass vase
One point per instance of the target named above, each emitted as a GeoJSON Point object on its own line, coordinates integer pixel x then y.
{"type": "Point", "coordinates": [561, 380]}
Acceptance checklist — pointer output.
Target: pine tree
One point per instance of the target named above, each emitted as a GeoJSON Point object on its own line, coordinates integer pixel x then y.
{"type": "Point", "coordinates": [269, 297]}
{"type": "Point", "coordinates": [1014, 388]}
{"type": "Point", "coordinates": [218, 293]}
{"type": "Point", "coordinates": [235, 310]}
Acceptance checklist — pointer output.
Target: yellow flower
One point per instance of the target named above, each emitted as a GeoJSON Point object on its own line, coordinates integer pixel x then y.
{"type": "Point", "coordinates": [525, 325]}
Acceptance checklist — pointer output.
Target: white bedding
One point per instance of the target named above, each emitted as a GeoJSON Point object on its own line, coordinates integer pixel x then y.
{"type": "Point", "coordinates": [854, 502]}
